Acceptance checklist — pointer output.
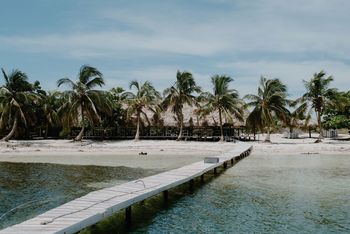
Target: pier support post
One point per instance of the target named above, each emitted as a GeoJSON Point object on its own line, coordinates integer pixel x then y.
{"type": "Point", "coordinates": [166, 196]}
{"type": "Point", "coordinates": [128, 216]}
{"type": "Point", "coordinates": [202, 178]}
{"type": "Point", "coordinates": [231, 161]}
{"type": "Point", "coordinates": [191, 185]}
{"type": "Point", "coordinates": [225, 165]}
{"type": "Point", "coordinates": [215, 171]}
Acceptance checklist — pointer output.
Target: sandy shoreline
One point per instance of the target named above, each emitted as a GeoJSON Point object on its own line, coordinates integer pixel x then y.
{"type": "Point", "coordinates": [160, 154]}
{"type": "Point", "coordinates": [302, 146]}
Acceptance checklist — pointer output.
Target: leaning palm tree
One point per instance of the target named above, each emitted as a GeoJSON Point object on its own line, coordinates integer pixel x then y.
{"type": "Point", "coordinates": [145, 98]}
{"type": "Point", "coordinates": [319, 95]}
{"type": "Point", "coordinates": [179, 94]}
{"type": "Point", "coordinates": [16, 99]}
{"type": "Point", "coordinates": [224, 100]}
{"type": "Point", "coordinates": [269, 102]}
{"type": "Point", "coordinates": [83, 102]}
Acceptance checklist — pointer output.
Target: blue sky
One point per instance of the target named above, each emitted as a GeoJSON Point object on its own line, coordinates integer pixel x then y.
{"type": "Point", "coordinates": [151, 40]}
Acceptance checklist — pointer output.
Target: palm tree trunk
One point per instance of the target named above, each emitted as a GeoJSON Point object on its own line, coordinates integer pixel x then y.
{"type": "Point", "coordinates": [80, 135]}
{"type": "Point", "coordinates": [320, 136]}
{"type": "Point", "coordinates": [267, 139]}
{"type": "Point", "coordinates": [46, 130]}
{"type": "Point", "coordinates": [221, 130]}
{"type": "Point", "coordinates": [137, 136]}
{"type": "Point", "coordinates": [180, 133]}
{"type": "Point", "coordinates": [309, 132]}
{"type": "Point", "coordinates": [12, 132]}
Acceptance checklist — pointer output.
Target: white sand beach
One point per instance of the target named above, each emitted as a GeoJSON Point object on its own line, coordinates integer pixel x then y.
{"type": "Point", "coordinates": [160, 154]}
{"type": "Point", "coordinates": [301, 146]}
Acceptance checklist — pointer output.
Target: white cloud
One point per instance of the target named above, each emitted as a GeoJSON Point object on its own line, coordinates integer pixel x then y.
{"type": "Point", "coordinates": [161, 77]}
{"type": "Point", "coordinates": [112, 43]}
{"type": "Point", "coordinates": [265, 36]}
{"type": "Point", "coordinates": [291, 73]}
{"type": "Point", "coordinates": [260, 26]}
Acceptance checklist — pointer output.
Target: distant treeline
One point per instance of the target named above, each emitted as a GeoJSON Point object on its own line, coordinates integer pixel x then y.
{"type": "Point", "coordinates": [26, 107]}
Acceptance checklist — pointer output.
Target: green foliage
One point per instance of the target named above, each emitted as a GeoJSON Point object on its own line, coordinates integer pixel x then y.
{"type": "Point", "coordinates": [337, 115]}
{"type": "Point", "coordinates": [298, 111]}
{"type": "Point", "coordinates": [319, 95]}
{"type": "Point", "coordinates": [17, 98]}
{"type": "Point", "coordinates": [84, 103]}
{"type": "Point", "coordinates": [25, 106]}
{"type": "Point", "coordinates": [318, 91]}
{"type": "Point", "coordinates": [269, 102]}
{"type": "Point", "coordinates": [118, 114]}
{"type": "Point", "coordinates": [181, 93]}
{"type": "Point", "coordinates": [337, 122]}
{"type": "Point", "coordinates": [224, 100]}
{"type": "Point", "coordinates": [145, 98]}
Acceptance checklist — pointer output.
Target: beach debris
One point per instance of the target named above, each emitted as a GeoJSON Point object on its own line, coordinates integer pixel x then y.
{"type": "Point", "coordinates": [143, 153]}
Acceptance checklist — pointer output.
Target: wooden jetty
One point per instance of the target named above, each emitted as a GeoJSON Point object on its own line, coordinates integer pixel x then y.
{"type": "Point", "coordinates": [96, 206]}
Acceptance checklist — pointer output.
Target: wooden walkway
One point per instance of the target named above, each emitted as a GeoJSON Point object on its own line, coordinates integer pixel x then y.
{"type": "Point", "coordinates": [95, 206]}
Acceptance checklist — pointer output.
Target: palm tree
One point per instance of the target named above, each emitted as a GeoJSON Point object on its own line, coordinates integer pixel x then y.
{"type": "Point", "coordinates": [200, 113]}
{"type": "Point", "coordinates": [179, 94]}
{"type": "Point", "coordinates": [224, 100]}
{"type": "Point", "coordinates": [145, 98]}
{"type": "Point", "coordinates": [319, 95]}
{"type": "Point", "coordinates": [16, 98]}
{"type": "Point", "coordinates": [116, 94]}
{"type": "Point", "coordinates": [298, 111]}
{"type": "Point", "coordinates": [83, 101]}
{"type": "Point", "coordinates": [50, 105]}
{"type": "Point", "coordinates": [269, 102]}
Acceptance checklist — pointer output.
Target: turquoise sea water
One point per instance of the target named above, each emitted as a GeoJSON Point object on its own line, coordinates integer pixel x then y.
{"type": "Point", "coordinates": [260, 194]}
{"type": "Point", "coordinates": [35, 188]}
{"type": "Point", "coordinates": [265, 194]}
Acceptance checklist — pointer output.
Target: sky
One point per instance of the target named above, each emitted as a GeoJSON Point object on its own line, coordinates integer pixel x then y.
{"type": "Point", "coordinates": [151, 40]}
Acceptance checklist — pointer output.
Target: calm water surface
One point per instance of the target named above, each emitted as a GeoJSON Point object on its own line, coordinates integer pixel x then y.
{"type": "Point", "coordinates": [34, 188]}
{"type": "Point", "coordinates": [265, 194]}
{"type": "Point", "coordinates": [261, 194]}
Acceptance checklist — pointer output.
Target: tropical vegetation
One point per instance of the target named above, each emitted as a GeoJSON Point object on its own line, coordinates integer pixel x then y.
{"type": "Point", "coordinates": [297, 115]}
{"type": "Point", "coordinates": [224, 100]}
{"type": "Point", "coordinates": [269, 102]}
{"type": "Point", "coordinates": [145, 98]}
{"type": "Point", "coordinates": [16, 100]}
{"type": "Point", "coordinates": [319, 96]}
{"type": "Point", "coordinates": [181, 93]}
{"type": "Point", "coordinates": [83, 102]}
{"type": "Point", "coordinates": [84, 106]}
{"type": "Point", "coordinates": [337, 115]}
